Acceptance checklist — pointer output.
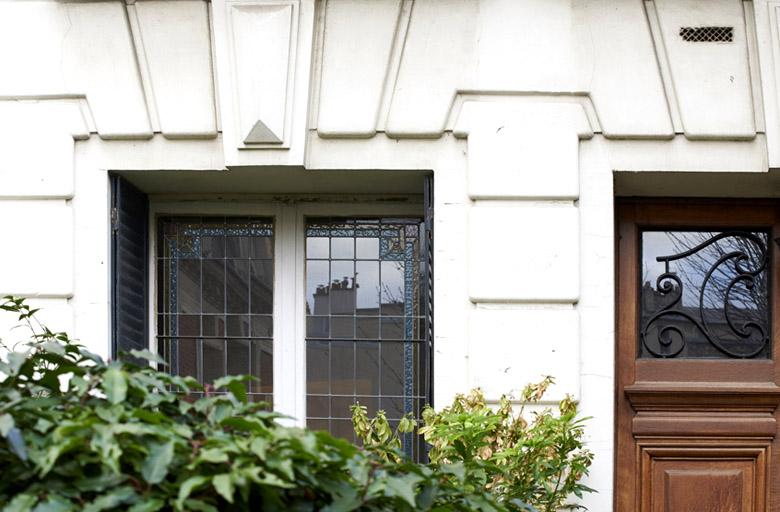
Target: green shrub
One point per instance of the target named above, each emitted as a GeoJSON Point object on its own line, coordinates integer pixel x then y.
{"type": "Point", "coordinates": [77, 433]}
{"type": "Point", "coordinates": [539, 462]}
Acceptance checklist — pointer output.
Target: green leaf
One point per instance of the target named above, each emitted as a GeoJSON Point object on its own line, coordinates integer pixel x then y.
{"type": "Point", "coordinates": [109, 413]}
{"type": "Point", "coordinates": [347, 499]}
{"type": "Point", "coordinates": [62, 446]}
{"type": "Point", "coordinates": [54, 347]}
{"type": "Point", "coordinates": [43, 425]}
{"type": "Point", "coordinates": [154, 418]}
{"type": "Point", "coordinates": [79, 385]}
{"type": "Point", "coordinates": [15, 362]}
{"type": "Point", "coordinates": [187, 487]}
{"type": "Point", "coordinates": [16, 443]}
{"type": "Point", "coordinates": [149, 356]}
{"type": "Point", "coordinates": [112, 500]}
{"type": "Point", "coordinates": [200, 506]}
{"type": "Point", "coordinates": [115, 385]}
{"type": "Point", "coordinates": [6, 424]}
{"type": "Point", "coordinates": [401, 488]}
{"type": "Point", "coordinates": [456, 468]}
{"type": "Point", "coordinates": [242, 424]}
{"type": "Point", "coordinates": [156, 465]}
{"type": "Point", "coordinates": [224, 485]}
{"type": "Point", "coordinates": [55, 503]}
{"type": "Point", "coordinates": [147, 505]}
{"type": "Point", "coordinates": [213, 455]}
{"type": "Point", "coordinates": [284, 466]}
{"type": "Point", "coordinates": [235, 384]}
{"type": "Point", "coordinates": [21, 503]}
{"type": "Point", "coordinates": [92, 357]}
{"type": "Point", "coordinates": [260, 447]}
{"type": "Point", "coordinates": [98, 483]}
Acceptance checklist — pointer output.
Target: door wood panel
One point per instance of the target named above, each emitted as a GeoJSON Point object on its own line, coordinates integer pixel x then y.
{"type": "Point", "coordinates": [693, 435]}
{"type": "Point", "coordinates": [707, 479]}
{"type": "Point", "coordinates": [703, 486]}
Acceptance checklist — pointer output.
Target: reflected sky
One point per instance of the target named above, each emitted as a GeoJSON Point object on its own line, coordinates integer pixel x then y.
{"type": "Point", "coordinates": [724, 306]}
{"type": "Point", "coordinates": [693, 269]}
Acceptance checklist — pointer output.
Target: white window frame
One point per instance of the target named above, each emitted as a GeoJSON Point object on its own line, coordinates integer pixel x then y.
{"type": "Point", "coordinates": [289, 311]}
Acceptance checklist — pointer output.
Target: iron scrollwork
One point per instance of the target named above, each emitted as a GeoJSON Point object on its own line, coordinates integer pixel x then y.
{"type": "Point", "coordinates": [742, 258]}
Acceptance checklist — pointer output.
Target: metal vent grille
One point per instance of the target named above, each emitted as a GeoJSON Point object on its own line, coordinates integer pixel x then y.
{"type": "Point", "coordinates": [707, 34]}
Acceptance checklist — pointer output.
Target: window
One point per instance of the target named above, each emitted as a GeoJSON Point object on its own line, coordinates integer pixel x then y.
{"type": "Point", "coordinates": [365, 320]}
{"type": "Point", "coordinates": [215, 298]}
{"type": "Point", "coordinates": [326, 304]}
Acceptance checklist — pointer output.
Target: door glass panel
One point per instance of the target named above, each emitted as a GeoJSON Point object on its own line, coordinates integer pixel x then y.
{"type": "Point", "coordinates": [704, 294]}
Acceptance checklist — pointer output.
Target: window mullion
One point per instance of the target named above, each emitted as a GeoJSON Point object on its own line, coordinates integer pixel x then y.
{"type": "Point", "coordinates": [288, 374]}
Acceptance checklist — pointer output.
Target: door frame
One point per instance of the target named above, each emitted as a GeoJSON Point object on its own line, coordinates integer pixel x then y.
{"type": "Point", "coordinates": [731, 404]}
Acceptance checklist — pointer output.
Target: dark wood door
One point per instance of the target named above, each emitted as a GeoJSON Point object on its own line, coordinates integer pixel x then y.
{"type": "Point", "coordinates": [696, 350]}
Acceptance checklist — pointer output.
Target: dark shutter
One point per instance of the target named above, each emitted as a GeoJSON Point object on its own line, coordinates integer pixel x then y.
{"type": "Point", "coordinates": [428, 205]}
{"type": "Point", "coordinates": [129, 267]}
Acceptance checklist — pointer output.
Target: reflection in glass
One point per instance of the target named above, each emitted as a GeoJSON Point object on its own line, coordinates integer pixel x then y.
{"type": "Point", "coordinates": [213, 325]}
{"type": "Point", "coordinates": [392, 369]}
{"type": "Point", "coordinates": [237, 247]}
{"type": "Point", "coordinates": [319, 406]}
{"type": "Point", "coordinates": [342, 288]}
{"type": "Point", "coordinates": [238, 326]}
{"type": "Point", "coordinates": [189, 357]}
{"type": "Point", "coordinates": [213, 290]}
{"type": "Point", "coordinates": [262, 367]}
{"type": "Point", "coordinates": [365, 303]}
{"type": "Point", "coordinates": [188, 292]}
{"type": "Point", "coordinates": [342, 327]}
{"type": "Point", "coordinates": [262, 247]}
{"type": "Point", "coordinates": [318, 247]}
{"type": "Point", "coordinates": [317, 289]}
{"type": "Point", "coordinates": [237, 352]}
{"type": "Point", "coordinates": [342, 368]}
{"type": "Point", "coordinates": [317, 368]}
{"type": "Point", "coordinates": [367, 368]}
{"type": "Point", "coordinates": [219, 271]}
{"type": "Point", "coordinates": [189, 325]}
{"type": "Point", "coordinates": [213, 359]}
{"type": "Point", "coordinates": [262, 326]}
{"type": "Point", "coordinates": [393, 287]}
{"type": "Point", "coordinates": [368, 290]}
{"type": "Point", "coordinates": [367, 248]}
{"type": "Point", "coordinates": [367, 328]}
{"type": "Point", "coordinates": [213, 246]}
{"type": "Point", "coordinates": [237, 287]}
{"type": "Point", "coordinates": [262, 286]}
{"type": "Point", "coordinates": [342, 248]}
{"type": "Point", "coordinates": [704, 294]}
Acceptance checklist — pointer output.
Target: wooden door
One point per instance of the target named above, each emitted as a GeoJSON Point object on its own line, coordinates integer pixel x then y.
{"type": "Point", "coordinates": [696, 346]}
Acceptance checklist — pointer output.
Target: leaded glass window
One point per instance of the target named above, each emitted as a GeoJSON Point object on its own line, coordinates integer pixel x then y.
{"type": "Point", "coordinates": [705, 294]}
{"type": "Point", "coordinates": [365, 321]}
{"type": "Point", "coordinates": [215, 298]}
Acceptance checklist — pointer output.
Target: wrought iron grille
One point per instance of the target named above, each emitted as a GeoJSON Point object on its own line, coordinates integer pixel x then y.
{"type": "Point", "coordinates": [706, 295]}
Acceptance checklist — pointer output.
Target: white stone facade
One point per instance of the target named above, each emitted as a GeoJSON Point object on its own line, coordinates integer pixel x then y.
{"type": "Point", "coordinates": [533, 115]}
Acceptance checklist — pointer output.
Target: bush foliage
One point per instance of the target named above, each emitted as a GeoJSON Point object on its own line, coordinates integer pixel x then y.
{"type": "Point", "coordinates": [78, 433]}
{"type": "Point", "coordinates": [538, 461]}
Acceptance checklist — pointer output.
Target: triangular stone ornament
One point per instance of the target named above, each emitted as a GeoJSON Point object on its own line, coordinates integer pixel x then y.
{"type": "Point", "coordinates": [261, 134]}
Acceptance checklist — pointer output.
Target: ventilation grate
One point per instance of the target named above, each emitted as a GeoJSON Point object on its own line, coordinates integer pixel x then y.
{"type": "Point", "coordinates": [707, 34]}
